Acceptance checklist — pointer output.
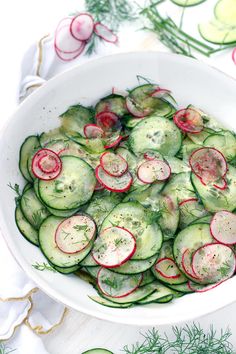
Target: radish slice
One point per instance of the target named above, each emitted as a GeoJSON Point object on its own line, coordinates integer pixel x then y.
{"type": "Point", "coordinates": [64, 42]}
{"type": "Point", "coordinates": [117, 285]}
{"type": "Point", "coordinates": [159, 93]}
{"type": "Point", "coordinates": [92, 131]}
{"type": "Point", "coordinates": [189, 120]}
{"type": "Point", "coordinates": [223, 227]}
{"type": "Point", "coordinates": [107, 120]}
{"type": "Point", "coordinates": [198, 288]}
{"type": "Point", "coordinates": [69, 56]}
{"type": "Point", "coordinates": [135, 109]}
{"type": "Point", "coordinates": [214, 262]}
{"type": "Point", "coordinates": [98, 187]}
{"type": "Point", "coordinates": [152, 155]}
{"type": "Point", "coordinates": [188, 201]}
{"type": "Point", "coordinates": [82, 26]}
{"type": "Point", "coordinates": [187, 264]}
{"type": "Point", "coordinates": [105, 33]}
{"type": "Point", "coordinates": [111, 142]}
{"type": "Point", "coordinates": [75, 233]}
{"type": "Point", "coordinates": [113, 164]}
{"type": "Point", "coordinates": [116, 91]}
{"type": "Point", "coordinates": [153, 170]}
{"type": "Point", "coordinates": [114, 246]}
{"type": "Point", "coordinates": [221, 184]}
{"type": "Point", "coordinates": [167, 268]}
{"type": "Point", "coordinates": [234, 56]}
{"type": "Point", "coordinates": [48, 160]}
{"type": "Point", "coordinates": [114, 184]}
{"type": "Point", "coordinates": [208, 164]}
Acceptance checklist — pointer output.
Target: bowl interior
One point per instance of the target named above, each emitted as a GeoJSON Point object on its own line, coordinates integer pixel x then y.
{"type": "Point", "coordinates": [191, 82]}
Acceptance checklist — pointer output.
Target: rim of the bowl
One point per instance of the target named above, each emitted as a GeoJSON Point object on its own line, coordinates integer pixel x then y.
{"type": "Point", "coordinates": [33, 274]}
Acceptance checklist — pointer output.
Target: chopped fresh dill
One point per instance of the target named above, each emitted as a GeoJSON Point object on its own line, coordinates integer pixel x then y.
{"type": "Point", "coordinates": [16, 189]}
{"type": "Point", "coordinates": [43, 266]}
{"type": "Point", "coordinates": [5, 350]}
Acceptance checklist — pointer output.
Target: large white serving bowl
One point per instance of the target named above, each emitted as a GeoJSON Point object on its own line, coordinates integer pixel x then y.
{"type": "Point", "coordinates": [191, 82]}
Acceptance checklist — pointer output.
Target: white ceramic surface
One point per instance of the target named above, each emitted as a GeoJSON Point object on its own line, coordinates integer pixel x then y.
{"type": "Point", "coordinates": [191, 82]}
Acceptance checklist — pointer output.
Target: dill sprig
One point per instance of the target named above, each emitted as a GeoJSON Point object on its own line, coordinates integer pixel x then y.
{"type": "Point", "coordinates": [190, 339]}
{"type": "Point", "coordinates": [43, 266]}
{"type": "Point", "coordinates": [16, 189]}
{"type": "Point", "coordinates": [111, 13]}
{"type": "Point", "coordinates": [5, 350]}
{"type": "Point", "coordinates": [173, 37]}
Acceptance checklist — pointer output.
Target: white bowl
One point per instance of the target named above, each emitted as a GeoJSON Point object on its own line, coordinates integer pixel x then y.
{"type": "Point", "coordinates": [191, 82]}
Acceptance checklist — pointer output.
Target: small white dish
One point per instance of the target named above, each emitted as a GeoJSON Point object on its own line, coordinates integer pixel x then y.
{"type": "Point", "coordinates": [191, 82]}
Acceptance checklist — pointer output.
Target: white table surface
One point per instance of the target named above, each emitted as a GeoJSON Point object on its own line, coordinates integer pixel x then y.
{"type": "Point", "coordinates": [21, 22]}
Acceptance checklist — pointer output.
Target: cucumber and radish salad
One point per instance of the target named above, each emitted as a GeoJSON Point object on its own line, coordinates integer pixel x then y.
{"type": "Point", "coordinates": [134, 195]}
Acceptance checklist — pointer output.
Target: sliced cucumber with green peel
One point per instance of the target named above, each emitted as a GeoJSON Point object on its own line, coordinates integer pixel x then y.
{"type": "Point", "coordinates": [25, 228]}
{"type": "Point", "coordinates": [105, 302]}
{"type": "Point", "coordinates": [33, 210]}
{"type": "Point", "coordinates": [217, 32]}
{"type": "Point", "coordinates": [112, 103]}
{"type": "Point", "coordinates": [161, 294]}
{"type": "Point", "coordinates": [225, 12]}
{"type": "Point", "coordinates": [190, 210]}
{"type": "Point", "coordinates": [97, 350]}
{"type": "Point", "coordinates": [182, 288]}
{"type": "Point", "coordinates": [30, 144]}
{"type": "Point", "coordinates": [66, 270]}
{"type": "Point", "coordinates": [215, 199]}
{"type": "Point", "coordinates": [72, 188]}
{"type": "Point", "coordinates": [88, 261]}
{"type": "Point", "coordinates": [186, 3]}
{"type": "Point", "coordinates": [93, 271]}
{"type": "Point", "coordinates": [180, 187]}
{"type": "Point", "coordinates": [148, 278]}
{"type": "Point", "coordinates": [225, 142]}
{"type": "Point", "coordinates": [155, 133]}
{"type": "Point", "coordinates": [169, 215]}
{"type": "Point", "coordinates": [51, 251]}
{"type": "Point", "coordinates": [177, 165]}
{"type": "Point", "coordinates": [75, 118]}
{"type": "Point", "coordinates": [51, 136]}
{"type": "Point", "coordinates": [135, 267]}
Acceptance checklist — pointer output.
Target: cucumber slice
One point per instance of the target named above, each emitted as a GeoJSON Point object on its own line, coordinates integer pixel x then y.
{"type": "Point", "coordinates": [187, 3]}
{"type": "Point", "coordinates": [148, 278]}
{"type": "Point", "coordinates": [72, 188]}
{"type": "Point", "coordinates": [51, 137]}
{"type": "Point", "coordinates": [190, 211]}
{"type": "Point", "coordinates": [51, 251]}
{"type": "Point", "coordinates": [135, 267]}
{"type": "Point", "coordinates": [30, 143]}
{"type": "Point", "coordinates": [204, 220]}
{"type": "Point", "coordinates": [26, 187]}
{"type": "Point", "coordinates": [225, 142]}
{"type": "Point", "coordinates": [180, 187]}
{"type": "Point", "coordinates": [25, 228]}
{"type": "Point", "coordinates": [191, 238]}
{"type": "Point", "coordinates": [101, 205]}
{"type": "Point", "coordinates": [136, 219]}
{"type": "Point", "coordinates": [93, 271]}
{"type": "Point", "coordinates": [32, 208]}
{"type": "Point", "coordinates": [177, 165]}
{"type": "Point", "coordinates": [155, 133]}
{"type": "Point", "coordinates": [129, 157]}
{"type": "Point", "coordinates": [88, 261]}
{"type": "Point", "coordinates": [215, 199]}
{"type": "Point", "coordinates": [161, 294]}
{"type": "Point", "coordinates": [105, 302]}
{"type": "Point", "coordinates": [225, 12]}
{"type": "Point", "coordinates": [183, 288]}
{"type": "Point", "coordinates": [169, 215]}
{"type": "Point", "coordinates": [75, 118]}
{"type": "Point", "coordinates": [148, 197]}
{"type": "Point", "coordinates": [68, 270]}
{"type": "Point", "coordinates": [112, 103]}
{"type": "Point", "coordinates": [217, 32]}
{"type": "Point", "coordinates": [98, 351]}
{"type": "Point", "coordinates": [137, 295]}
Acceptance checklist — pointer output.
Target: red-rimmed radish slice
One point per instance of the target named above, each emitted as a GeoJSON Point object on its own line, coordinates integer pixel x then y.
{"type": "Point", "coordinates": [114, 246]}
{"type": "Point", "coordinates": [213, 262]}
{"type": "Point", "coordinates": [234, 56]}
{"type": "Point", "coordinates": [188, 201]}
{"type": "Point", "coordinates": [167, 268]}
{"type": "Point", "coordinates": [160, 92]}
{"type": "Point", "coordinates": [69, 56]}
{"type": "Point", "coordinates": [113, 164]}
{"type": "Point", "coordinates": [116, 91]}
{"type": "Point", "coordinates": [151, 155]}
{"type": "Point", "coordinates": [117, 285]}
{"type": "Point", "coordinates": [198, 288]}
{"type": "Point", "coordinates": [221, 184]}
{"type": "Point", "coordinates": [107, 120]}
{"type": "Point", "coordinates": [113, 142]}
{"type": "Point", "coordinates": [98, 187]}
{"type": "Point", "coordinates": [48, 156]}
{"type": "Point", "coordinates": [49, 163]}
{"type": "Point", "coordinates": [82, 26]}
{"type": "Point", "coordinates": [153, 171]}
{"type": "Point", "coordinates": [64, 42]}
{"type": "Point", "coordinates": [75, 233]}
{"type": "Point", "coordinates": [186, 263]}
{"type": "Point", "coordinates": [189, 120]}
{"type": "Point", "coordinates": [105, 33]}
{"type": "Point", "coordinates": [135, 109]}
{"type": "Point", "coordinates": [93, 131]}
{"type": "Point", "coordinates": [113, 184]}
{"type": "Point", "coordinates": [208, 164]}
{"type": "Point", "coordinates": [223, 227]}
